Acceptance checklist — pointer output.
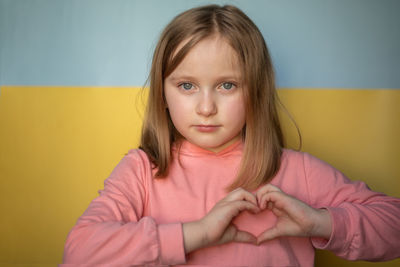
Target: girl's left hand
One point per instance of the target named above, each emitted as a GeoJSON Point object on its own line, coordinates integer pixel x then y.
{"type": "Point", "coordinates": [295, 218]}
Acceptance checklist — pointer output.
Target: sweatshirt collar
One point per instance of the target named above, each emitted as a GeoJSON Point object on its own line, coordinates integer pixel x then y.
{"type": "Point", "coordinates": [190, 149]}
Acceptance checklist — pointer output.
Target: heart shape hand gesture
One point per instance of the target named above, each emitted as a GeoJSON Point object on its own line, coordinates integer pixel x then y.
{"type": "Point", "coordinates": [294, 218]}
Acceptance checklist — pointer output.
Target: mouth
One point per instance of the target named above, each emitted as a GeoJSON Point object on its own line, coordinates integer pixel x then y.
{"type": "Point", "coordinates": [206, 128]}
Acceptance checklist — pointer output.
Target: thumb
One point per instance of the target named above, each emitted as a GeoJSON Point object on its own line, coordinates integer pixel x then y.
{"type": "Point", "coordinates": [245, 237]}
{"type": "Point", "coordinates": [232, 234]}
{"type": "Point", "coordinates": [268, 235]}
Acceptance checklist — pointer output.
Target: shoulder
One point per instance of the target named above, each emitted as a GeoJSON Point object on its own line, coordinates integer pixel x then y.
{"type": "Point", "coordinates": [303, 171]}
{"type": "Point", "coordinates": [135, 156]}
{"type": "Point", "coordinates": [321, 181]}
{"type": "Point", "coordinates": [134, 166]}
{"type": "Point", "coordinates": [305, 162]}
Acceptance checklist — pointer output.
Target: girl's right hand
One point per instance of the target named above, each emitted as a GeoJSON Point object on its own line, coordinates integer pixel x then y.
{"type": "Point", "coordinates": [216, 228]}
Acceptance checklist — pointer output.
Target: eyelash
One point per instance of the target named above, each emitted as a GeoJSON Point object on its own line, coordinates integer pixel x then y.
{"type": "Point", "coordinates": [181, 85]}
{"type": "Point", "coordinates": [233, 86]}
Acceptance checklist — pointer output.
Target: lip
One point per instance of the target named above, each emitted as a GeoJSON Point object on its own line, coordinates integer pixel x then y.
{"type": "Point", "coordinates": [206, 128]}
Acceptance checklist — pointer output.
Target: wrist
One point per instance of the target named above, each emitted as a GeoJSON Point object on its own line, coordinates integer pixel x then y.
{"type": "Point", "coordinates": [194, 236]}
{"type": "Point", "coordinates": [323, 227]}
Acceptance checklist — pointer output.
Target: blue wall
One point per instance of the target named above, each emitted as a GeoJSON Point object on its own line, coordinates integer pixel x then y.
{"type": "Point", "coordinates": [331, 43]}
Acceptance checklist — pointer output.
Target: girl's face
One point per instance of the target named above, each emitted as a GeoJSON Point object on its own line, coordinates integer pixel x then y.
{"type": "Point", "coordinates": [204, 95]}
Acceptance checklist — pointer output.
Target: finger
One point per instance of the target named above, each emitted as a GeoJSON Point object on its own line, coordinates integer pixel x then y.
{"type": "Point", "coordinates": [241, 194]}
{"type": "Point", "coordinates": [232, 234]}
{"type": "Point", "coordinates": [221, 216]}
{"type": "Point", "coordinates": [266, 189]}
{"type": "Point", "coordinates": [268, 235]}
{"type": "Point", "coordinates": [278, 212]}
{"type": "Point", "coordinates": [245, 237]}
{"type": "Point", "coordinates": [272, 199]}
{"type": "Point", "coordinates": [241, 205]}
{"type": "Point", "coordinates": [233, 208]}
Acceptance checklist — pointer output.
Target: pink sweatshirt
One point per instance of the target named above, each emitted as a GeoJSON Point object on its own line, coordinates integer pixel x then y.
{"type": "Point", "coordinates": [137, 220]}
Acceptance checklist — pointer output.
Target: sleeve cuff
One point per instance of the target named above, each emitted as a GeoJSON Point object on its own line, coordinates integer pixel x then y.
{"type": "Point", "coordinates": [171, 244]}
{"type": "Point", "coordinates": [338, 239]}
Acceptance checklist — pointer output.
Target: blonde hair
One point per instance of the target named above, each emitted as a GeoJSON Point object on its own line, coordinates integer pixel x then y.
{"type": "Point", "coordinates": [262, 134]}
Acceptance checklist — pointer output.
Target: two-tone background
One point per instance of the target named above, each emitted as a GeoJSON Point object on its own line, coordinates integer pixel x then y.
{"type": "Point", "coordinates": [70, 101]}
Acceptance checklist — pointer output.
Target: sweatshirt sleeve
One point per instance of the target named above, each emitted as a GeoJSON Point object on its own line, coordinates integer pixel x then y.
{"type": "Point", "coordinates": [366, 224]}
{"type": "Point", "coordinates": [113, 230]}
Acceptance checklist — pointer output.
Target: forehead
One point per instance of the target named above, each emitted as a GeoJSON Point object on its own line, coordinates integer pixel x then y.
{"type": "Point", "coordinates": [213, 54]}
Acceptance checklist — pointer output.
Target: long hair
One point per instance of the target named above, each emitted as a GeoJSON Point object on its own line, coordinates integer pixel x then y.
{"type": "Point", "coordinates": [262, 134]}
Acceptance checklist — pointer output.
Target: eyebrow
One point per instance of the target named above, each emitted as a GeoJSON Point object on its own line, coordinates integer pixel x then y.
{"type": "Point", "coordinates": [180, 77]}
{"type": "Point", "coordinates": [176, 77]}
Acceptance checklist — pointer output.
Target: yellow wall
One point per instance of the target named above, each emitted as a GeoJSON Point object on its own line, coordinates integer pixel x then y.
{"type": "Point", "coordinates": [58, 144]}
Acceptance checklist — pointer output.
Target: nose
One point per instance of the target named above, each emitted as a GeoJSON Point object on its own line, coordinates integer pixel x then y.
{"type": "Point", "coordinates": [206, 105]}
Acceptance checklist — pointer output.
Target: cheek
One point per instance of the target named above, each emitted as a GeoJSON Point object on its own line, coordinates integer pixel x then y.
{"type": "Point", "coordinates": [241, 110]}
{"type": "Point", "coordinates": [173, 104]}
{"type": "Point", "coordinates": [176, 116]}
{"type": "Point", "coordinates": [241, 117]}
{"type": "Point", "coordinates": [178, 112]}
{"type": "Point", "coordinates": [236, 111]}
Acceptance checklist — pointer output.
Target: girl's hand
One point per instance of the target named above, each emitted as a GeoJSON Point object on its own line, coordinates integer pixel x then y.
{"type": "Point", "coordinates": [216, 228]}
{"type": "Point", "coordinates": [295, 218]}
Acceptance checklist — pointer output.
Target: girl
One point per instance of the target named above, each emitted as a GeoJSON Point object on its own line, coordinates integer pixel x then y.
{"type": "Point", "coordinates": [211, 183]}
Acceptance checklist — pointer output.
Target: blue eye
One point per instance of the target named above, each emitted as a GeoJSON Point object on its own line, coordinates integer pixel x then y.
{"type": "Point", "coordinates": [227, 85]}
{"type": "Point", "coordinates": [186, 86]}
